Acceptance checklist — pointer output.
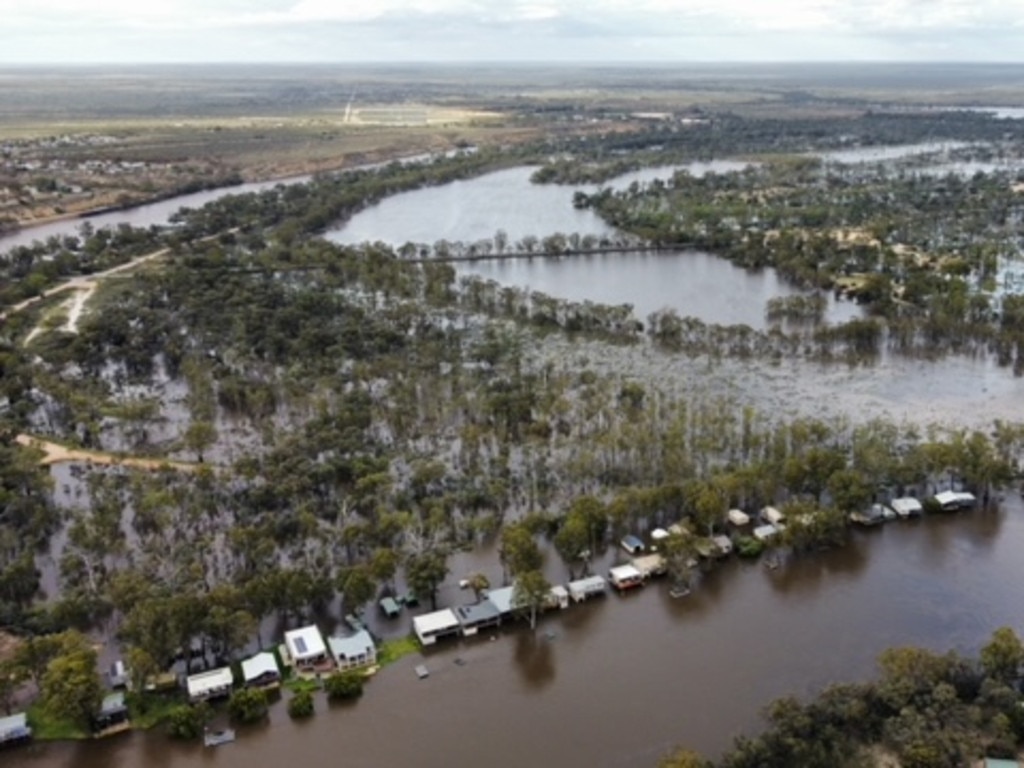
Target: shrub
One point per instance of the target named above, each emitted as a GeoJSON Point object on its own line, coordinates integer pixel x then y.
{"type": "Point", "coordinates": [748, 546]}
{"type": "Point", "coordinates": [301, 705]}
{"type": "Point", "coordinates": [186, 721]}
{"type": "Point", "coordinates": [248, 705]}
{"type": "Point", "coordinates": [344, 685]}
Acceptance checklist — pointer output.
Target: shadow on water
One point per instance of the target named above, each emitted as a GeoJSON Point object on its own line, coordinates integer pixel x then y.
{"type": "Point", "coordinates": [806, 574]}
{"type": "Point", "coordinates": [534, 657]}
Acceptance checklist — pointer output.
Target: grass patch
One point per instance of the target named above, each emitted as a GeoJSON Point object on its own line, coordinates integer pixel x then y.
{"type": "Point", "coordinates": [301, 684]}
{"type": "Point", "coordinates": [45, 727]}
{"type": "Point", "coordinates": [392, 650]}
{"type": "Point", "coordinates": [148, 710]}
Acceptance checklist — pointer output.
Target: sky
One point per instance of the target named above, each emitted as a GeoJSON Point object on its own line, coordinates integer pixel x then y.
{"type": "Point", "coordinates": [125, 31]}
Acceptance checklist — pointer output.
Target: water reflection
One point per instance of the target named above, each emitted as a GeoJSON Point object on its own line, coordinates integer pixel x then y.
{"type": "Point", "coordinates": [534, 657]}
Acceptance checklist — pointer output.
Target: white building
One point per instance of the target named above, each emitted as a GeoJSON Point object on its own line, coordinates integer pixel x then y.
{"type": "Point", "coordinates": [430, 626]}
{"type": "Point", "coordinates": [261, 670]}
{"type": "Point", "coordinates": [355, 651]}
{"type": "Point", "coordinates": [209, 685]}
{"type": "Point", "coordinates": [306, 647]}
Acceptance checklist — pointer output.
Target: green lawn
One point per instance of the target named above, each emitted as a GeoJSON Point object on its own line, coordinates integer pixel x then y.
{"type": "Point", "coordinates": [392, 650]}
{"type": "Point", "coordinates": [147, 710]}
{"type": "Point", "coordinates": [45, 727]}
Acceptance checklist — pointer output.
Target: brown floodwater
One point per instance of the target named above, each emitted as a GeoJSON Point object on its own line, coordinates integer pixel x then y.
{"type": "Point", "coordinates": [618, 681]}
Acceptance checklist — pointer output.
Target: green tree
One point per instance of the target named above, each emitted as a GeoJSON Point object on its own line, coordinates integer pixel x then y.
{"type": "Point", "coordinates": [683, 758]}
{"type": "Point", "coordinates": [424, 572]}
{"type": "Point", "coordinates": [71, 688]}
{"type": "Point", "coordinates": [479, 583]}
{"type": "Point", "coordinates": [680, 553]}
{"type": "Point", "coordinates": [199, 436]}
{"type": "Point", "coordinates": [248, 705]}
{"type": "Point", "coordinates": [357, 587]}
{"type": "Point", "coordinates": [1003, 655]}
{"type": "Point", "coordinates": [344, 685]}
{"type": "Point", "coordinates": [187, 721]}
{"type": "Point", "coordinates": [519, 552]}
{"type": "Point", "coordinates": [530, 594]}
{"type": "Point", "coordinates": [301, 705]}
{"type": "Point", "coordinates": [572, 542]}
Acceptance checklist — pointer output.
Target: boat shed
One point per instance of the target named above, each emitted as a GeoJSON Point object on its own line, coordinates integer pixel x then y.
{"type": "Point", "coordinates": [738, 517]}
{"type": "Point", "coordinates": [581, 589]}
{"type": "Point", "coordinates": [723, 544]}
{"type": "Point", "coordinates": [952, 501]}
{"type": "Point", "coordinates": [765, 532]}
{"type": "Point", "coordinates": [625, 577]}
{"type": "Point", "coordinates": [907, 506]}
{"type": "Point", "coordinates": [772, 516]}
{"type": "Point", "coordinates": [355, 651]}
{"type": "Point", "coordinates": [390, 607]}
{"type": "Point", "coordinates": [558, 597]}
{"type": "Point", "coordinates": [14, 729]}
{"type": "Point", "coordinates": [650, 565]}
{"type": "Point", "coordinates": [261, 671]}
{"type": "Point", "coordinates": [430, 626]}
{"type": "Point", "coordinates": [475, 617]}
{"type": "Point", "coordinates": [213, 684]}
{"type": "Point", "coordinates": [632, 544]}
{"type": "Point", "coordinates": [306, 647]}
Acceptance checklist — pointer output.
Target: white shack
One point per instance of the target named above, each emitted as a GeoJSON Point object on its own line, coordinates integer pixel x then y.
{"type": "Point", "coordinates": [581, 589]}
{"type": "Point", "coordinates": [209, 685]}
{"type": "Point", "coordinates": [431, 626]}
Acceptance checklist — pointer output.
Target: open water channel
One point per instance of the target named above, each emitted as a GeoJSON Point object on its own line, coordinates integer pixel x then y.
{"type": "Point", "coordinates": [616, 682]}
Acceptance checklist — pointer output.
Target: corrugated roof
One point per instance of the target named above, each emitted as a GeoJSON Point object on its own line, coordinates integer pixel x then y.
{"type": "Point", "coordinates": [438, 621]}
{"type": "Point", "coordinates": [205, 682]}
{"type": "Point", "coordinates": [305, 642]}
{"type": "Point", "coordinates": [359, 644]}
{"type": "Point", "coordinates": [501, 599]}
{"type": "Point", "coordinates": [589, 584]}
{"type": "Point", "coordinates": [477, 613]}
{"type": "Point", "coordinates": [259, 665]}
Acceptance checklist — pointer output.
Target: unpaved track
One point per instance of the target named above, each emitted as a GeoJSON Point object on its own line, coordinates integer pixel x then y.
{"type": "Point", "coordinates": [54, 453]}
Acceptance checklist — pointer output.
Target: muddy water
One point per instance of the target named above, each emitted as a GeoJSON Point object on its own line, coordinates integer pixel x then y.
{"type": "Point", "coordinates": [619, 680]}
{"type": "Point", "coordinates": [141, 216]}
{"type": "Point", "coordinates": [693, 283]}
{"type": "Point", "coordinates": [476, 208]}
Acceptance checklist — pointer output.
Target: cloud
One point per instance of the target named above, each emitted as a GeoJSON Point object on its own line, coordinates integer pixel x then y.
{"type": "Point", "coordinates": [719, 29]}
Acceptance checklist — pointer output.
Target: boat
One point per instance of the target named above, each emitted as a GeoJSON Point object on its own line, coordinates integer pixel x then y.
{"type": "Point", "coordinates": [216, 738]}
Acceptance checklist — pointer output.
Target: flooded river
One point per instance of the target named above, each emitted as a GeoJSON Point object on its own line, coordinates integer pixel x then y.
{"type": "Point", "coordinates": [616, 682]}
{"type": "Point", "coordinates": [693, 283]}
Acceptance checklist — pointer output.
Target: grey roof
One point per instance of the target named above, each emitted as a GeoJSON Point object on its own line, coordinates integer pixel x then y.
{"type": "Point", "coordinates": [359, 644]}
{"type": "Point", "coordinates": [477, 613]}
{"type": "Point", "coordinates": [501, 599]}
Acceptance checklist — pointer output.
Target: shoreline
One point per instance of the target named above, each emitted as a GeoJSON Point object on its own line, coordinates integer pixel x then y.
{"type": "Point", "coordinates": [21, 227]}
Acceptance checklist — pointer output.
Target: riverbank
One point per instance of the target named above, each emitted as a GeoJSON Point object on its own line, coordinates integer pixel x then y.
{"type": "Point", "coordinates": [745, 637]}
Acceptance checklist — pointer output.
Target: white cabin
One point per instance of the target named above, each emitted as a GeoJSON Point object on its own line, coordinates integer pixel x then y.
{"type": "Point", "coordinates": [907, 506]}
{"type": "Point", "coordinates": [581, 589]}
{"type": "Point", "coordinates": [626, 577]}
{"type": "Point", "coordinates": [772, 516]}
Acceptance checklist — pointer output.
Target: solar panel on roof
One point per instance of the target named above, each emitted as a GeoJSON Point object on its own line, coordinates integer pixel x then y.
{"type": "Point", "coordinates": [300, 644]}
